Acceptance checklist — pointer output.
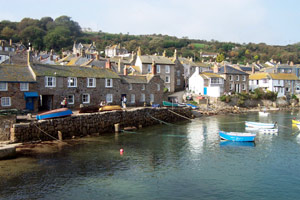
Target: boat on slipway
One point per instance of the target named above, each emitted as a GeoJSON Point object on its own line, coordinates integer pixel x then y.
{"type": "Point", "coordinates": [237, 136]}
{"type": "Point", "coordinates": [60, 112]}
{"type": "Point", "coordinates": [110, 108]}
{"type": "Point", "coordinates": [260, 125]}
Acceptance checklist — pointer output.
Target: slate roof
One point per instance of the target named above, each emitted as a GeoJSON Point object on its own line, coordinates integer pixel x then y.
{"type": "Point", "coordinates": [158, 60]}
{"type": "Point", "coordinates": [187, 61]}
{"type": "Point", "coordinates": [134, 79]}
{"type": "Point", "coordinates": [274, 76]}
{"type": "Point", "coordinates": [231, 70]}
{"type": "Point", "coordinates": [72, 71]}
{"type": "Point", "coordinates": [15, 73]}
{"type": "Point", "coordinates": [207, 75]}
{"type": "Point", "coordinates": [258, 76]}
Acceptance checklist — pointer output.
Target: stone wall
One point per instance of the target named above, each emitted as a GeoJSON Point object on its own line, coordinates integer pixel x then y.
{"type": "Point", "coordinates": [93, 123]}
{"type": "Point", "coordinates": [6, 122]}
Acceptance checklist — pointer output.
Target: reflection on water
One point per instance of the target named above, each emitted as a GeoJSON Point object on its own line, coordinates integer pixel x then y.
{"type": "Point", "coordinates": [183, 161]}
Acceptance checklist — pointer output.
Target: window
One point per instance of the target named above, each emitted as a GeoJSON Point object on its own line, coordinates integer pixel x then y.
{"type": "Point", "coordinates": [265, 80]}
{"type": "Point", "coordinates": [178, 81]}
{"type": "Point", "coordinates": [282, 70]}
{"type": "Point", "coordinates": [91, 82]}
{"type": "Point", "coordinates": [50, 81]}
{"type": "Point", "coordinates": [231, 86]}
{"type": "Point", "coordinates": [24, 86]}
{"type": "Point", "coordinates": [108, 82]}
{"type": "Point", "coordinates": [3, 86]}
{"type": "Point", "coordinates": [167, 69]}
{"type": "Point", "coordinates": [151, 97]}
{"type": "Point", "coordinates": [143, 87]}
{"type": "Point", "coordinates": [169, 89]}
{"type": "Point", "coordinates": [244, 78]}
{"type": "Point", "coordinates": [5, 101]}
{"type": "Point", "coordinates": [230, 78]}
{"type": "Point", "coordinates": [149, 68]}
{"type": "Point", "coordinates": [157, 68]}
{"type": "Point", "coordinates": [130, 87]}
{"type": "Point", "coordinates": [214, 80]}
{"type": "Point", "coordinates": [158, 87]}
{"type": "Point", "coordinates": [132, 98]}
{"type": "Point", "coordinates": [142, 97]}
{"type": "Point", "coordinates": [167, 80]}
{"type": "Point", "coordinates": [243, 86]}
{"type": "Point", "coordinates": [85, 98]}
{"type": "Point", "coordinates": [237, 77]}
{"type": "Point", "coordinates": [70, 99]}
{"type": "Point", "coordinates": [257, 82]}
{"type": "Point", "coordinates": [178, 73]}
{"type": "Point", "coordinates": [287, 89]}
{"type": "Point", "coordinates": [72, 82]}
{"type": "Point", "coordinates": [109, 98]}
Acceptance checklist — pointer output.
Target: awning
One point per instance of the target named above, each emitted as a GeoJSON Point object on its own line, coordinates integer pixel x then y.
{"type": "Point", "coordinates": [30, 94]}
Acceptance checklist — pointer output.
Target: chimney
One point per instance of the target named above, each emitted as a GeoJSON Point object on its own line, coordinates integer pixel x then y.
{"type": "Point", "coordinates": [253, 69]}
{"type": "Point", "coordinates": [291, 63]}
{"type": "Point", "coordinates": [153, 68]}
{"type": "Point", "coordinates": [94, 44]}
{"type": "Point", "coordinates": [119, 65]}
{"type": "Point", "coordinates": [82, 53]}
{"type": "Point", "coordinates": [10, 42]}
{"type": "Point", "coordinates": [175, 55]}
{"type": "Point", "coordinates": [197, 71]}
{"type": "Point", "coordinates": [216, 69]}
{"type": "Point", "coordinates": [164, 53]}
{"type": "Point", "coordinates": [225, 69]}
{"type": "Point", "coordinates": [258, 62]}
{"type": "Point", "coordinates": [29, 55]}
{"type": "Point", "coordinates": [125, 71]}
{"type": "Point", "coordinates": [107, 64]}
{"type": "Point", "coordinates": [139, 52]}
{"type": "Point", "coordinates": [51, 54]}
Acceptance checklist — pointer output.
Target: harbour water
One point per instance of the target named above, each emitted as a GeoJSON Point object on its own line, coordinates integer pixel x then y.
{"type": "Point", "coordinates": [183, 161]}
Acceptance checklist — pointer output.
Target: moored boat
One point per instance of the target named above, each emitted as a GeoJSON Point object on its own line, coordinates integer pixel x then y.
{"type": "Point", "coordinates": [263, 114]}
{"type": "Point", "coordinates": [296, 121]}
{"type": "Point", "coordinates": [170, 104]}
{"type": "Point", "coordinates": [237, 136]}
{"type": "Point", "coordinates": [60, 112]}
{"type": "Point", "coordinates": [259, 125]}
{"type": "Point", "coordinates": [110, 108]}
{"type": "Point", "coordinates": [192, 106]}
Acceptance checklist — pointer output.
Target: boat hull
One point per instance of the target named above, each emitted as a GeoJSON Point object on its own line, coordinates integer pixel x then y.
{"type": "Point", "coordinates": [263, 114]}
{"type": "Point", "coordinates": [169, 104]}
{"type": "Point", "coordinates": [61, 112]}
{"type": "Point", "coordinates": [110, 108]}
{"type": "Point", "coordinates": [295, 121]}
{"type": "Point", "coordinates": [259, 125]}
{"type": "Point", "coordinates": [192, 106]}
{"type": "Point", "coordinates": [237, 137]}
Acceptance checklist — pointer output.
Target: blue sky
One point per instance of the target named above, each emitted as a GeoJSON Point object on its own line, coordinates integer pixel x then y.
{"type": "Point", "coordinates": [270, 21]}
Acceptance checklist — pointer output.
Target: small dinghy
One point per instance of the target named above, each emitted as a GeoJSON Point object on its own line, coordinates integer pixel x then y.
{"type": "Point", "coordinates": [260, 125]}
{"type": "Point", "coordinates": [263, 114]}
{"type": "Point", "coordinates": [60, 112]}
{"type": "Point", "coordinates": [237, 137]}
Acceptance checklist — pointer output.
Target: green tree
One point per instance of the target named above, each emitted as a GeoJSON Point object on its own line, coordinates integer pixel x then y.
{"type": "Point", "coordinates": [7, 33]}
{"type": "Point", "coordinates": [220, 58]}
{"type": "Point", "coordinates": [34, 35]}
{"type": "Point", "coordinates": [65, 21]}
{"type": "Point", "coordinates": [58, 38]}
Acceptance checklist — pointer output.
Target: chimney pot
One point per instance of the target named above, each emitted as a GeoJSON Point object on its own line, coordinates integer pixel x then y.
{"type": "Point", "coordinates": [125, 71]}
{"type": "Point", "coordinates": [107, 64]}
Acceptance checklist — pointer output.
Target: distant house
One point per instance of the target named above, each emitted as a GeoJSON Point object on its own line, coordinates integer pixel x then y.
{"type": "Point", "coordinates": [85, 50]}
{"type": "Point", "coordinates": [116, 50]}
{"type": "Point", "coordinates": [208, 55]}
{"type": "Point", "coordinates": [283, 83]}
{"type": "Point", "coordinates": [206, 83]}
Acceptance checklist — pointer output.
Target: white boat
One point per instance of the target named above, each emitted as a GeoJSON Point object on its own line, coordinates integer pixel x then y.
{"type": "Point", "coordinates": [263, 114]}
{"type": "Point", "coordinates": [260, 125]}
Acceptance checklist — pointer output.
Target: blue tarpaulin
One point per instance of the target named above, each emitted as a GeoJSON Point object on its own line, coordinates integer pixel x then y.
{"type": "Point", "coordinates": [30, 94]}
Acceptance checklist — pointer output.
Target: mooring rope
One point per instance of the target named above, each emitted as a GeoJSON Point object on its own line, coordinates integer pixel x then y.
{"type": "Point", "coordinates": [169, 124]}
{"type": "Point", "coordinates": [46, 133]}
{"type": "Point", "coordinates": [180, 115]}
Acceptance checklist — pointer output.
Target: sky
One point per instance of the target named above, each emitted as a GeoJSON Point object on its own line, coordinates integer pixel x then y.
{"type": "Point", "coordinates": [274, 22]}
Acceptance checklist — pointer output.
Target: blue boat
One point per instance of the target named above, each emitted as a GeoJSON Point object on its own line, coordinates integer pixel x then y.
{"type": "Point", "coordinates": [237, 137]}
{"type": "Point", "coordinates": [192, 106]}
{"type": "Point", "coordinates": [61, 112]}
{"type": "Point", "coordinates": [259, 124]}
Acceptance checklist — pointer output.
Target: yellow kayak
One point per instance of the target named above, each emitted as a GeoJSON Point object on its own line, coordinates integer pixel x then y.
{"type": "Point", "coordinates": [295, 121]}
{"type": "Point", "coordinates": [109, 108]}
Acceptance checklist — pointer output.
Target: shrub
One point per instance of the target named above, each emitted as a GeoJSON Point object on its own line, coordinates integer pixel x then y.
{"type": "Point", "coordinates": [166, 90]}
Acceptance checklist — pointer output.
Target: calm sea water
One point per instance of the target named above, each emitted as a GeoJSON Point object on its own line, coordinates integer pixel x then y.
{"type": "Point", "coordinates": [184, 161]}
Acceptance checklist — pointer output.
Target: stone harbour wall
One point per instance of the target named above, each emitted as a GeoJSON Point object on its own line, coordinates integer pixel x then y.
{"type": "Point", "coordinates": [94, 123]}
{"type": "Point", "coordinates": [6, 122]}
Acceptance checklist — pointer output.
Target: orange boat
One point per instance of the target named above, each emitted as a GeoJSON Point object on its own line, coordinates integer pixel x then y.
{"type": "Point", "coordinates": [110, 108]}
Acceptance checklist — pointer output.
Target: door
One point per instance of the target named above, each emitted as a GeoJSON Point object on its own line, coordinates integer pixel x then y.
{"type": "Point", "coordinates": [205, 91]}
{"type": "Point", "coordinates": [29, 104]}
{"type": "Point", "coordinates": [47, 102]}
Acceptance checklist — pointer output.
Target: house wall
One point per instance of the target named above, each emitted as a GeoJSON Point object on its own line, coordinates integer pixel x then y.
{"type": "Point", "coordinates": [196, 84]}
{"type": "Point", "coordinates": [214, 91]}
{"type": "Point", "coordinates": [234, 81]}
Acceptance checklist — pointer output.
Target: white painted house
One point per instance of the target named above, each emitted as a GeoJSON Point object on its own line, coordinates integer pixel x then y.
{"type": "Point", "coordinates": [283, 83]}
{"type": "Point", "coordinates": [206, 83]}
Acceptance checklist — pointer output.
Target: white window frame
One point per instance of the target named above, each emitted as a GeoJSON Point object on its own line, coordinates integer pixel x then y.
{"type": "Point", "coordinates": [3, 86]}
{"type": "Point", "coordinates": [24, 86]}
{"type": "Point", "coordinates": [158, 87]}
{"type": "Point", "coordinates": [244, 78]}
{"type": "Point", "coordinates": [143, 97]}
{"type": "Point", "coordinates": [151, 97]}
{"type": "Point", "coordinates": [130, 86]}
{"type": "Point", "coordinates": [167, 79]}
{"type": "Point", "coordinates": [167, 69]}
{"type": "Point", "coordinates": [143, 87]}
{"type": "Point", "coordinates": [132, 98]}
{"type": "Point", "coordinates": [72, 82]}
{"type": "Point", "coordinates": [149, 68]}
{"type": "Point", "coordinates": [109, 98]}
{"type": "Point", "coordinates": [178, 81]}
{"type": "Point", "coordinates": [243, 86]}
{"type": "Point", "coordinates": [230, 86]}
{"type": "Point", "coordinates": [157, 68]}
{"type": "Point", "coordinates": [93, 85]}
{"type": "Point", "coordinates": [237, 77]}
{"type": "Point", "coordinates": [230, 77]}
{"type": "Point", "coordinates": [53, 81]}
{"type": "Point", "coordinates": [5, 101]}
{"type": "Point", "coordinates": [108, 82]}
{"type": "Point", "coordinates": [178, 73]}
{"type": "Point", "coordinates": [88, 98]}
{"type": "Point", "coordinates": [72, 98]}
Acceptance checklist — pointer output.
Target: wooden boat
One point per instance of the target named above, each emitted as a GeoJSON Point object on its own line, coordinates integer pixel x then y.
{"type": "Point", "coordinates": [89, 109]}
{"type": "Point", "coordinates": [60, 112]}
{"type": "Point", "coordinates": [237, 137]}
{"type": "Point", "coordinates": [110, 108]}
{"type": "Point", "coordinates": [260, 125]}
{"type": "Point", "coordinates": [263, 114]}
{"type": "Point", "coordinates": [169, 104]}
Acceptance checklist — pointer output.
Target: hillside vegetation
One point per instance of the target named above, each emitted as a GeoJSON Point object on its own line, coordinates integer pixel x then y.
{"type": "Point", "coordinates": [47, 33]}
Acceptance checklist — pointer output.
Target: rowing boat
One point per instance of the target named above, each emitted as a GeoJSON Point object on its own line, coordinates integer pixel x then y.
{"type": "Point", "coordinates": [60, 112]}
{"type": "Point", "coordinates": [110, 108]}
{"type": "Point", "coordinates": [259, 125]}
{"type": "Point", "coordinates": [237, 136]}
